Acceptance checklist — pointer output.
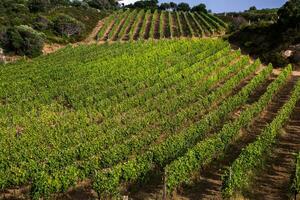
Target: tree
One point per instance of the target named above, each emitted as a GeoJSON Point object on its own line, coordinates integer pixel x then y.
{"type": "Point", "coordinates": [102, 4]}
{"type": "Point", "coordinates": [252, 8]}
{"type": "Point", "coordinates": [173, 6]}
{"type": "Point", "coordinates": [146, 4]}
{"type": "Point", "coordinates": [200, 8]}
{"type": "Point", "coordinates": [25, 41]}
{"type": "Point", "coordinates": [165, 6]}
{"type": "Point", "coordinates": [60, 2]}
{"type": "Point", "coordinates": [289, 14]}
{"type": "Point", "coordinates": [38, 5]}
{"type": "Point", "coordinates": [68, 26]}
{"type": "Point", "coordinates": [183, 7]}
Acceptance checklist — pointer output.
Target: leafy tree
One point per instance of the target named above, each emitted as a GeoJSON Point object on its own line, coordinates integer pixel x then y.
{"type": "Point", "coordinates": [183, 7]}
{"type": "Point", "coordinates": [289, 14]}
{"type": "Point", "coordinates": [60, 2]}
{"type": "Point", "coordinates": [102, 4]}
{"type": "Point", "coordinates": [25, 41]}
{"type": "Point", "coordinates": [38, 5]}
{"type": "Point", "coordinates": [165, 6]}
{"type": "Point", "coordinates": [173, 5]}
{"type": "Point", "coordinates": [252, 8]}
{"type": "Point", "coordinates": [200, 8]}
{"type": "Point", "coordinates": [146, 4]}
{"type": "Point", "coordinates": [68, 26]}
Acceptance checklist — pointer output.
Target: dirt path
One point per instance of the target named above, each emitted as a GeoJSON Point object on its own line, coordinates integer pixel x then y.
{"type": "Point", "coordinates": [92, 36]}
{"type": "Point", "coordinates": [210, 182]}
{"type": "Point", "coordinates": [273, 182]}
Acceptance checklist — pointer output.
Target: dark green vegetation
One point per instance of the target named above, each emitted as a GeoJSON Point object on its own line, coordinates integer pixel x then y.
{"type": "Point", "coordinates": [266, 37]}
{"type": "Point", "coordinates": [114, 113]}
{"type": "Point", "coordinates": [26, 25]}
{"type": "Point", "coordinates": [144, 24]}
{"type": "Point", "coordinates": [171, 6]}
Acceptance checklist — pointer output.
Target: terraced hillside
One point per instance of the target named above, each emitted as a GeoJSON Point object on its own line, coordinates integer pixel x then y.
{"type": "Point", "coordinates": [142, 24]}
{"type": "Point", "coordinates": [143, 119]}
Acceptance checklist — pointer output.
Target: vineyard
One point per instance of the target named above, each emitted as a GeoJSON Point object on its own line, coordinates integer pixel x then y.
{"type": "Point", "coordinates": [167, 119]}
{"type": "Point", "coordinates": [144, 24]}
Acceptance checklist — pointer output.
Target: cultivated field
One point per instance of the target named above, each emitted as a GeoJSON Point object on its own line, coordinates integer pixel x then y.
{"type": "Point", "coordinates": [144, 24]}
{"type": "Point", "coordinates": [176, 119]}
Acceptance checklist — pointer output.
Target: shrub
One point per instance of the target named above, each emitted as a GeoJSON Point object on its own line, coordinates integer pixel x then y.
{"type": "Point", "coordinates": [38, 5]}
{"type": "Point", "coordinates": [42, 23]}
{"type": "Point", "coordinates": [25, 41]}
{"type": "Point", "coordinates": [77, 3]}
{"type": "Point", "coordinates": [68, 26]}
{"type": "Point", "coordinates": [3, 37]}
{"type": "Point", "coordinates": [275, 58]}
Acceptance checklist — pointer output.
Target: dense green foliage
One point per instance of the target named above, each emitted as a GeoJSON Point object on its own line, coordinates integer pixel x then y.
{"type": "Point", "coordinates": [59, 21]}
{"type": "Point", "coordinates": [25, 41]}
{"type": "Point", "coordinates": [289, 14]}
{"type": "Point", "coordinates": [162, 24]}
{"type": "Point", "coordinates": [153, 5]}
{"type": "Point", "coordinates": [74, 113]}
{"type": "Point", "coordinates": [266, 37]}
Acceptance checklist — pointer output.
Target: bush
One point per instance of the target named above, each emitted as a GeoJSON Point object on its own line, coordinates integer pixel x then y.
{"type": "Point", "coordinates": [25, 41]}
{"type": "Point", "coordinates": [41, 23]}
{"type": "Point", "coordinates": [68, 26]}
{"type": "Point", "coordinates": [3, 37]}
{"type": "Point", "coordinates": [77, 3]}
{"type": "Point", "coordinates": [275, 58]}
{"type": "Point", "coordinates": [38, 5]}
{"type": "Point", "coordinates": [183, 7]}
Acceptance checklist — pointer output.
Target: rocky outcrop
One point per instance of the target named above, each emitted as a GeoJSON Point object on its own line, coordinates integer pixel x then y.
{"type": "Point", "coordinates": [293, 53]}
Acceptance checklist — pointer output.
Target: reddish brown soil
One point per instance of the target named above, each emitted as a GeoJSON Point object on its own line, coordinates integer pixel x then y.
{"type": "Point", "coordinates": [106, 34]}
{"type": "Point", "coordinates": [92, 36]}
{"type": "Point", "coordinates": [166, 27]}
{"type": "Point", "coordinates": [157, 27]}
{"type": "Point", "coordinates": [138, 28]}
{"type": "Point", "coordinates": [120, 26]}
{"type": "Point", "coordinates": [175, 25]}
{"type": "Point", "coordinates": [126, 36]}
{"type": "Point", "coordinates": [148, 27]}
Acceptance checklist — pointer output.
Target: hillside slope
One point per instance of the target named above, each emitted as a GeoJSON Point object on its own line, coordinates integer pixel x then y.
{"type": "Point", "coordinates": [141, 24]}
{"type": "Point", "coordinates": [138, 119]}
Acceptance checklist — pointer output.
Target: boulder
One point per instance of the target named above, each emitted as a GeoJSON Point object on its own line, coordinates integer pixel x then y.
{"type": "Point", "coordinates": [287, 53]}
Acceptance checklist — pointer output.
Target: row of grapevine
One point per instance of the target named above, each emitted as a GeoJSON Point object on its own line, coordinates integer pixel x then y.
{"type": "Point", "coordinates": [93, 148]}
{"type": "Point", "coordinates": [171, 147]}
{"type": "Point", "coordinates": [296, 179]}
{"type": "Point", "coordinates": [110, 120]}
{"type": "Point", "coordinates": [136, 27]}
{"type": "Point", "coordinates": [102, 157]}
{"type": "Point", "coordinates": [91, 111]}
{"type": "Point", "coordinates": [162, 24]}
{"type": "Point", "coordinates": [204, 152]}
{"type": "Point", "coordinates": [238, 175]}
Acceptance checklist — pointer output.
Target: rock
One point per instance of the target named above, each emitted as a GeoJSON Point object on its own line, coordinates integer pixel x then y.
{"type": "Point", "coordinates": [287, 53]}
